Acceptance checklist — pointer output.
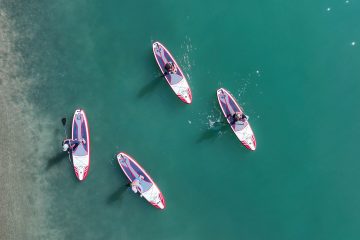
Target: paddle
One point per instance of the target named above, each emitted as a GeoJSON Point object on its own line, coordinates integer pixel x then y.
{"type": "Point", "coordinates": [63, 121]}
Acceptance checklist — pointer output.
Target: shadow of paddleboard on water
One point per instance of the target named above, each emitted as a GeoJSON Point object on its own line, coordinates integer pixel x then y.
{"type": "Point", "coordinates": [56, 159]}
{"type": "Point", "coordinates": [214, 132]}
{"type": "Point", "coordinates": [150, 86]}
{"type": "Point", "coordinates": [117, 195]}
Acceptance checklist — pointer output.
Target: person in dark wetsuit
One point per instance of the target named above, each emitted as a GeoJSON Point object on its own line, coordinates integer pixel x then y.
{"type": "Point", "coordinates": [69, 144]}
{"type": "Point", "coordinates": [170, 68]}
{"type": "Point", "coordinates": [239, 118]}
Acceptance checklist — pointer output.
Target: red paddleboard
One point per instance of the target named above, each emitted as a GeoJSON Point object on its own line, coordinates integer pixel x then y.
{"type": "Point", "coordinates": [176, 80]}
{"type": "Point", "coordinates": [133, 171]}
{"type": "Point", "coordinates": [81, 154]}
{"type": "Point", "coordinates": [243, 130]}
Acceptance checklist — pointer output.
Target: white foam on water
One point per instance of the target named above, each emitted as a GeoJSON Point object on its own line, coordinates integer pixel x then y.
{"type": "Point", "coordinates": [187, 76]}
{"type": "Point", "coordinates": [216, 116]}
{"type": "Point", "coordinates": [186, 62]}
{"type": "Point", "coordinates": [212, 120]}
{"type": "Point", "coordinates": [245, 83]}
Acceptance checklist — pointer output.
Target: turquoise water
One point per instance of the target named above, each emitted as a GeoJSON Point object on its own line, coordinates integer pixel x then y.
{"type": "Point", "coordinates": [293, 66]}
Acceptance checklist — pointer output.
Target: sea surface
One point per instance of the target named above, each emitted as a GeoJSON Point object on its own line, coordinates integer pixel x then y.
{"type": "Point", "coordinates": [294, 66]}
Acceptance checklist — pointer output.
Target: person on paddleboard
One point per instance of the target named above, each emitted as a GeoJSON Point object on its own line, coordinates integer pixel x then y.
{"type": "Point", "coordinates": [170, 68]}
{"type": "Point", "coordinates": [239, 118]}
{"type": "Point", "coordinates": [136, 186]}
{"type": "Point", "coordinates": [70, 144]}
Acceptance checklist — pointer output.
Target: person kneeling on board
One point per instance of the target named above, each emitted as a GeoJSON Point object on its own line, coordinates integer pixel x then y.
{"type": "Point", "coordinates": [239, 118]}
{"type": "Point", "coordinates": [70, 144]}
{"type": "Point", "coordinates": [170, 68]}
{"type": "Point", "coordinates": [136, 186]}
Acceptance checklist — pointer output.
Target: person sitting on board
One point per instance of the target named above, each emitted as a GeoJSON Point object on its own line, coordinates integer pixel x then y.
{"type": "Point", "coordinates": [170, 68]}
{"type": "Point", "coordinates": [239, 118]}
{"type": "Point", "coordinates": [136, 186]}
{"type": "Point", "coordinates": [70, 144]}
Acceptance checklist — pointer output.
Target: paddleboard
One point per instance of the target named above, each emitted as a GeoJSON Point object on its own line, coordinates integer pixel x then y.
{"type": "Point", "coordinates": [81, 154]}
{"type": "Point", "coordinates": [133, 171]}
{"type": "Point", "coordinates": [242, 130]}
{"type": "Point", "coordinates": [177, 80]}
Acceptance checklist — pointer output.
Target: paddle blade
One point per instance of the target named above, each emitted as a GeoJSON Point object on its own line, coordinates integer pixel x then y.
{"type": "Point", "coordinates": [63, 120]}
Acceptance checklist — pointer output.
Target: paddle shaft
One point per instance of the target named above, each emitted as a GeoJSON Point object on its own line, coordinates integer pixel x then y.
{"type": "Point", "coordinates": [64, 125]}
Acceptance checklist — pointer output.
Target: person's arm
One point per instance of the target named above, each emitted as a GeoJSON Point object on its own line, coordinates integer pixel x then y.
{"type": "Point", "coordinates": [139, 188]}
{"type": "Point", "coordinates": [74, 144]}
{"type": "Point", "coordinates": [230, 117]}
{"type": "Point", "coordinates": [134, 188]}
